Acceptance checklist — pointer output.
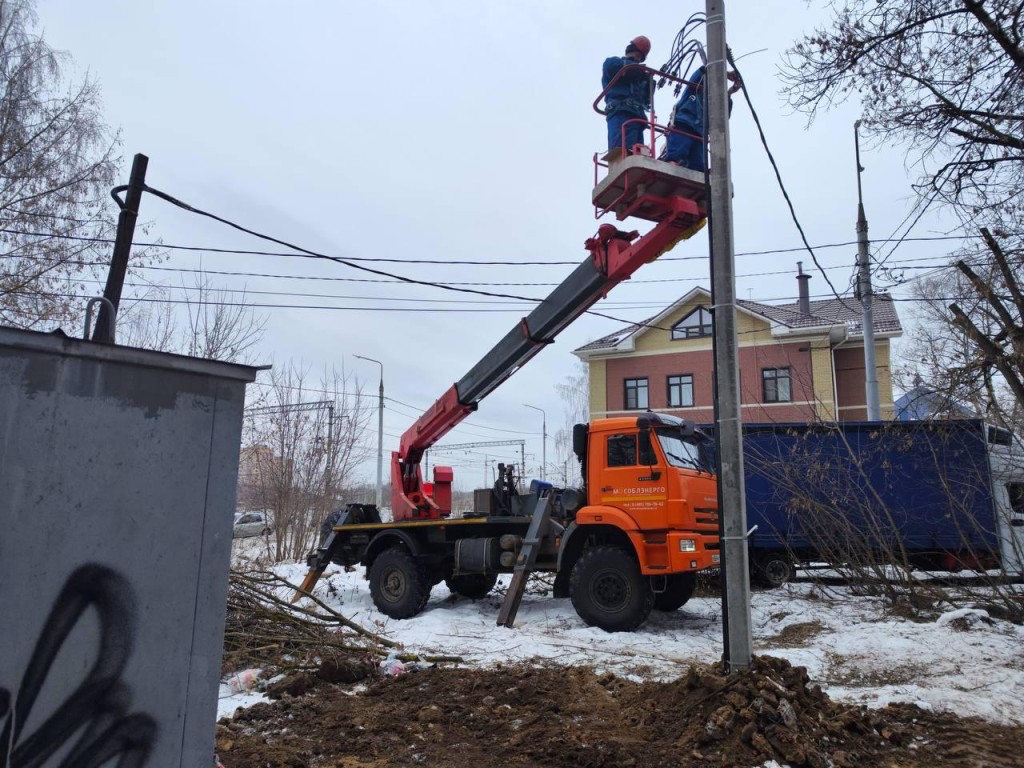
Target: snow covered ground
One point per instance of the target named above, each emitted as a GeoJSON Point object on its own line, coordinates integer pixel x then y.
{"type": "Point", "coordinates": [964, 661]}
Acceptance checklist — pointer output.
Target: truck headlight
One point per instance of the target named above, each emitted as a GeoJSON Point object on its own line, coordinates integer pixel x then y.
{"type": "Point", "coordinates": [687, 545]}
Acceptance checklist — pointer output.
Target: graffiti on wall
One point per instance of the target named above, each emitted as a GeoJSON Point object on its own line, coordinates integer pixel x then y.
{"type": "Point", "coordinates": [92, 724]}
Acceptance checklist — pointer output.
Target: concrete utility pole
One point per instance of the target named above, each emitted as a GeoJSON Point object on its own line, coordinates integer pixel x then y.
{"type": "Point", "coordinates": [728, 414]}
{"type": "Point", "coordinates": [380, 430]}
{"type": "Point", "coordinates": [864, 291]}
{"type": "Point", "coordinates": [544, 437]}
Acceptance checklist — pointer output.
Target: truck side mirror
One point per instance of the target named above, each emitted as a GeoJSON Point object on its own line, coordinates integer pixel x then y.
{"type": "Point", "coordinates": [579, 440]}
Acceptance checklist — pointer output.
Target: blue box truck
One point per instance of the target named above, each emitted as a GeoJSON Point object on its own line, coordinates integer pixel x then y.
{"type": "Point", "coordinates": [941, 495]}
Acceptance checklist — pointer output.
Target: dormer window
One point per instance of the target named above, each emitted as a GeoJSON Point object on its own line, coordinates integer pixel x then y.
{"type": "Point", "coordinates": [694, 326]}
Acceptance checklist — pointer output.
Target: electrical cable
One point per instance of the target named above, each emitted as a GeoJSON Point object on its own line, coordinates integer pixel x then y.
{"type": "Point", "coordinates": [243, 252]}
{"type": "Point", "coordinates": [778, 178]}
{"type": "Point", "coordinates": [315, 255]}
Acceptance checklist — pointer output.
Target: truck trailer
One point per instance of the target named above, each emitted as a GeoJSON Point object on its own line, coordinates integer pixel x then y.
{"type": "Point", "coordinates": [937, 495]}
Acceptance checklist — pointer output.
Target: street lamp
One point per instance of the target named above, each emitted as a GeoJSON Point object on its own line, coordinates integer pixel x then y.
{"type": "Point", "coordinates": [544, 437]}
{"type": "Point", "coordinates": [380, 431]}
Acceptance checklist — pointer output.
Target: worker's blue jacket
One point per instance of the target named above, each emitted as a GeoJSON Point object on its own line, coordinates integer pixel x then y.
{"type": "Point", "coordinates": [688, 112]}
{"type": "Point", "coordinates": [631, 93]}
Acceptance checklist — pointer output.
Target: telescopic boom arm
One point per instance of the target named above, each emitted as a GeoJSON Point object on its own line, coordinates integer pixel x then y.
{"type": "Point", "coordinates": [614, 256]}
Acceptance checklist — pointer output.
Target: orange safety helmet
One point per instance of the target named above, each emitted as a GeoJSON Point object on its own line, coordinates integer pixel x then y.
{"type": "Point", "coordinates": [642, 44]}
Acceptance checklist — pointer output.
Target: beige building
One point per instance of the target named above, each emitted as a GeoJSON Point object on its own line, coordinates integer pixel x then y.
{"type": "Point", "coordinates": [798, 362]}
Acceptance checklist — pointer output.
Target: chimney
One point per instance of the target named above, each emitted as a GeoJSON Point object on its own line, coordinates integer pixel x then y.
{"type": "Point", "coordinates": [805, 297]}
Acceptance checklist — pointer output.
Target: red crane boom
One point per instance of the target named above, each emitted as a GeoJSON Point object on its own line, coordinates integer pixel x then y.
{"type": "Point", "coordinates": [614, 256]}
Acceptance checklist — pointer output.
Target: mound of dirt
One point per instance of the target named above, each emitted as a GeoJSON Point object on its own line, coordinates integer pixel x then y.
{"type": "Point", "coordinates": [528, 716]}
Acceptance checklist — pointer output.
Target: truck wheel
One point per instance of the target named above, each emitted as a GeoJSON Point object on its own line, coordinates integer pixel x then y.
{"type": "Point", "coordinates": [774, 569]}
{"type": "Point", "coordinates": [608, 590]}
{"type": "Point", "coordinates": [472, 585]}
{"type": "Point", "coordinates": [398, 585]}
{"type": "Point", "coordinates": [678, 590]}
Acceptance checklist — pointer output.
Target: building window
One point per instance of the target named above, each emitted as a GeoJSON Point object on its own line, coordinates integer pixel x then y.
{"type": "Point", "coordinates": [680, 391]}
{"type": "Point", "coordinates": [694, 325]}
{"type": "Point", "coordinates": [636, 394]}
{"type": "Point", "coordinates": [775, 385]}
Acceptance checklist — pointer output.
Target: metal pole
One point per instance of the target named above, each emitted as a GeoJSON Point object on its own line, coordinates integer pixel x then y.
{"type": "Point", "coordinates": [864, 290]}
{"type": "Point", "coordinates": [122, 247]}
{"type": "Point", "coordinates": [736, 588]}
{"type": "Point", "coordinates": [544, 438]}
{"type": "Point", "coordinates": [380, 430]}
{"type": "Point", "coordinates": [328, 490]}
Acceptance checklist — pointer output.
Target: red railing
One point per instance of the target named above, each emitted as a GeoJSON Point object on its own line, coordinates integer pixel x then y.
{"type": "Point", "coordinates": [657, 130]}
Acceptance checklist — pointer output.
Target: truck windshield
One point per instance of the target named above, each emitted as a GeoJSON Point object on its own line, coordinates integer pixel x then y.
{"type": "Point", "coordinates": [681, 453]}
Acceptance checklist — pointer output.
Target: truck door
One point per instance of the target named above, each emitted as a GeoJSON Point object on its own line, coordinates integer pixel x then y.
{"type": "Point", "coordinates": [631, 479]}
{"type": "Point", "coordinates": [1008, 497]}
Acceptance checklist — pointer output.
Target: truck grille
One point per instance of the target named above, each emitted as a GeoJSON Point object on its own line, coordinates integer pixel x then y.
{"type": "Point", "coordinates": [706, 517]}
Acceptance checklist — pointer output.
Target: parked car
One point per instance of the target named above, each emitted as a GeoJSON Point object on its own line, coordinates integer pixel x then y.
{"type": "Point", "coordinates": [251, 524]}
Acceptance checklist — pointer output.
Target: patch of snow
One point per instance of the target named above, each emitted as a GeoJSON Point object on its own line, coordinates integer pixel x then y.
{"type": "Point", "coordinates": [228, 701]}
{"type": "Point", "coordinates": [968, 617]}
{"type": "Point", "coordinates": [861, 654]}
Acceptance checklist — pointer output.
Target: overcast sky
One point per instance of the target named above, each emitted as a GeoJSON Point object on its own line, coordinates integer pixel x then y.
{"type": "Point", "coordinates": [449, 131]}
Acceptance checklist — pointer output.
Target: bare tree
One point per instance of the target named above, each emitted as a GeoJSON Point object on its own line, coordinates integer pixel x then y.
{"type": "Point", "coordinates": [575, 394]}
{"type": "Point", "coordinates": [207, 322]}
{"type": "Point", "coordinates": [967, 347]}
{"type": "Point", "coordinates": [946, 79]}
{"type": "Point", "coordinates": [943, 77]}
{"type": "Point", "coordinates": [57, 165]}
{"type": "Point", "coordinates": [220, 325]}
{"type": "Point", "coordinates": [300, 448]}
{"type": "Point", "coordinates": [149, 323]}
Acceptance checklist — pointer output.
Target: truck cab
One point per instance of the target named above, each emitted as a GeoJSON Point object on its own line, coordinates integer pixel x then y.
{"type": "Point", "coordinates": [650, 477]}
{"type": "Point", "coordinates": [645, 523]}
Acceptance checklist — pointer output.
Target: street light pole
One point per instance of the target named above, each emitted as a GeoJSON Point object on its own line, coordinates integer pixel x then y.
{"type": "Point", "coordinates": [864, 290]}
{"type": "Point", "coordinates": [544, 437]}
{"type": "Point", "coordinates": [380, 430]}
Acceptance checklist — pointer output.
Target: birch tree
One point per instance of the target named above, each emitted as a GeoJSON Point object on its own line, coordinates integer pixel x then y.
{"type": "Point", "coordinates": [58, 162]}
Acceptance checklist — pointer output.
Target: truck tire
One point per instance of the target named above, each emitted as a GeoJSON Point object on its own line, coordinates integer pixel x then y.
{"type": "Point", "coordinates": [609, 591]}
{"type": "Point", "coordinates": [398, 584]}
{"type": "Point", "coordinates": [472, 585]}
{"type": "Point", "coordinates": [678, 590]}
{"type": "Point", "coordinates": [773, 569]}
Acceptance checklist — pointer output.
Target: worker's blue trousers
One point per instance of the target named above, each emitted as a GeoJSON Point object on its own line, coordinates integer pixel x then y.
{"type": "Point", "coordinates": [634, 131]}
{"type": "Point", "coordinates": [687, 151]}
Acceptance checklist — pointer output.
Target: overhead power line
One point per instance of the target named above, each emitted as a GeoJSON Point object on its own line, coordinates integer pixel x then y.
{"type": "Point", "coordinates": [334, 307]}
{"type": "Point", "coordinates": [778, 179]}
{"type": "Point", "coordinates": [465, 262]}
{"type": "Point", "coordinates": [382, 281]}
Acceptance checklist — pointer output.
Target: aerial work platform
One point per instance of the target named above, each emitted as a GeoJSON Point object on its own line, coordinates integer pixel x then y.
{"type": "Point", "coordinates": [635, 186]}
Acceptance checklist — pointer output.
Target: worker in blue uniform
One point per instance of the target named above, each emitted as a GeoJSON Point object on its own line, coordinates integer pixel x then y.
{"type": "Point", "coordinates": [628, 99]}
{"type": "Point", "coordinates": [688, 148]}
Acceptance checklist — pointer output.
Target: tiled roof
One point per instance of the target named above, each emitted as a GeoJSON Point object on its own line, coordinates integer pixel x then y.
{"type": "Point", "coordinates": [614, 338]}
{"type": "Point", "coordinates": [830, 311]}
{"type": "Point", "coordinates": [823, 313]}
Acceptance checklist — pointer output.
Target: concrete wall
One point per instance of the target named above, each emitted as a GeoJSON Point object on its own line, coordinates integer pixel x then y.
{"type": "Point", "coordinates": [117, 486]}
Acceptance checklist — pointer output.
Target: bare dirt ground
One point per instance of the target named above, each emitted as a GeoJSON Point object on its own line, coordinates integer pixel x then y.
{"type": "Point", "coordinates": [529, 716]}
